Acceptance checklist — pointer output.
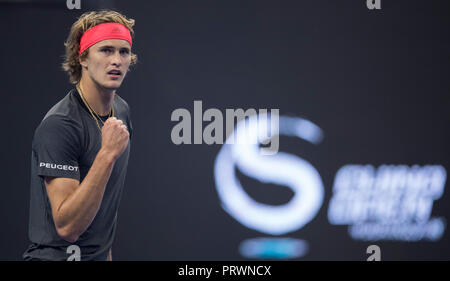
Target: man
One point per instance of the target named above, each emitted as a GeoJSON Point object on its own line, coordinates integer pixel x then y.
{"type": "Point", "coordinates": [80, 150]}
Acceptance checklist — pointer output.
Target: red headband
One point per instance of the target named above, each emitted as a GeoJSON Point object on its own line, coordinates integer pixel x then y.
{"type": "Point", "coordinates": [104, 31]}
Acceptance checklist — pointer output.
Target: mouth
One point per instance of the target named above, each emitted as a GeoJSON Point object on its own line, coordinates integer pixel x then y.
{"type": "Point", "coordinates": [115, 73]}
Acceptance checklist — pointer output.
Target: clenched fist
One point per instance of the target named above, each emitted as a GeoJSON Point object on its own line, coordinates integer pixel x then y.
{"type": "Point", "coordinates": [115, 137]}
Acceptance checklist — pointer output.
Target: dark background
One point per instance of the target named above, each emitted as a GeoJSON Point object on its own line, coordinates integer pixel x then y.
{"type": "Point", "coordinates": [375, 81]}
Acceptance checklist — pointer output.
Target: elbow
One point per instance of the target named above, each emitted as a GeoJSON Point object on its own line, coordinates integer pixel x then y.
{"type": "Point", "coordinates": [71, 239]}
{"type": "Point", "coordinates": [67, 234]}
{"type": "Point", "coordinates": [66, 230]}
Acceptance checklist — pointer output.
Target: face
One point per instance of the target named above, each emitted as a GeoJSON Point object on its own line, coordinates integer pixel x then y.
{"type": "Point", "coordinates": [107, 63]}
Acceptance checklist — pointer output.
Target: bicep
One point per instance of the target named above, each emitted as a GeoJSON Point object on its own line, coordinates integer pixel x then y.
{"type": "Point", "coordinates": [58, 190]}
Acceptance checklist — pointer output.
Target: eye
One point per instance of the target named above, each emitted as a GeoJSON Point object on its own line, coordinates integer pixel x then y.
{"type": "Point", "coordinates": [124, 51]}
{"type": "Point", "coordinates": [106, 50]}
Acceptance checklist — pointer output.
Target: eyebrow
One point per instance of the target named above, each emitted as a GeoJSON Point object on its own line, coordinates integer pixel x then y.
{"type": "Point", "coordinates": [112, 47]}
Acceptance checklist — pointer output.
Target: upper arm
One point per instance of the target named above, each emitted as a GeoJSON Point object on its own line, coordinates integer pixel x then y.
{"type": "Point", "coordinates": [58, 190]}
{"type": "Point", "coordinates": [56, 144]}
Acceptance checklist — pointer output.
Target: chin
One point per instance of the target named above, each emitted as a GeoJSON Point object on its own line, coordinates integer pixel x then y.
{"type": "Point", "coordinates": [112, 85]}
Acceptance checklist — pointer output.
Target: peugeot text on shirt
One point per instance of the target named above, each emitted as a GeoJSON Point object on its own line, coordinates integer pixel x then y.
{"type": "Point", "coordinates": [58, 166]}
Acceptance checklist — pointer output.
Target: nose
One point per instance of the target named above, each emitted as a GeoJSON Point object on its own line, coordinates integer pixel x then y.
{"type": "Point", "coordinates": [116, 59]}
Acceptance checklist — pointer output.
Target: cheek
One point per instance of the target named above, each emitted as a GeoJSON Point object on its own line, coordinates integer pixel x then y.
{"type": "Point", "coordinates": [100, 67]}
{"type": "Point", "coordinates": [126, 65]}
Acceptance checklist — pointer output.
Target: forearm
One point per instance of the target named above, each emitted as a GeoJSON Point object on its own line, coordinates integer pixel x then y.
{"type": "Point", "coordinates": [78, 210]}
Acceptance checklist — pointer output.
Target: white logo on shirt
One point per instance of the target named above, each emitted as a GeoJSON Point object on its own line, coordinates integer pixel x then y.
{"type": "Point", "coordinates": [58, 166]}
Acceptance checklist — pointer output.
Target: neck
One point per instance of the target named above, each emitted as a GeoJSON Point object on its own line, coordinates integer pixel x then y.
{"type": "Point", "coordinates": [98, 98]}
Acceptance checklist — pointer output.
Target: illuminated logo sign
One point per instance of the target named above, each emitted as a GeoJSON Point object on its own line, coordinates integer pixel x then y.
{"type": "Point", "coordinates": [282, 169]}
{"type": "Point", "coordinates": [391, 202]}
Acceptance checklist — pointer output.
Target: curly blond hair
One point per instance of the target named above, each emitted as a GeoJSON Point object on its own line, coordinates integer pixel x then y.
{"type": "Point", "coordinates": [88, 20]}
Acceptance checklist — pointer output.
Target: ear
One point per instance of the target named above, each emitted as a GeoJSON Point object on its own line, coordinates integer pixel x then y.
{"type": "Point", "coordinates": [83, 62]}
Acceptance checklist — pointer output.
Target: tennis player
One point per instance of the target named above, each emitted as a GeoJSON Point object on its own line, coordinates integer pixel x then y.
{"type": "Point", "coordinates": [80, 150]}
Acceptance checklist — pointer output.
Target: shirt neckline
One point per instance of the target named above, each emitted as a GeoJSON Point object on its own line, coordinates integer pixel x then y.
{"type": "Point", "coordinates": [80, 101]}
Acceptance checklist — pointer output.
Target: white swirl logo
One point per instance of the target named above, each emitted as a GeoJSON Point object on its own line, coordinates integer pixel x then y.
{"type": "Point", "coordinates": [281, 169]}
